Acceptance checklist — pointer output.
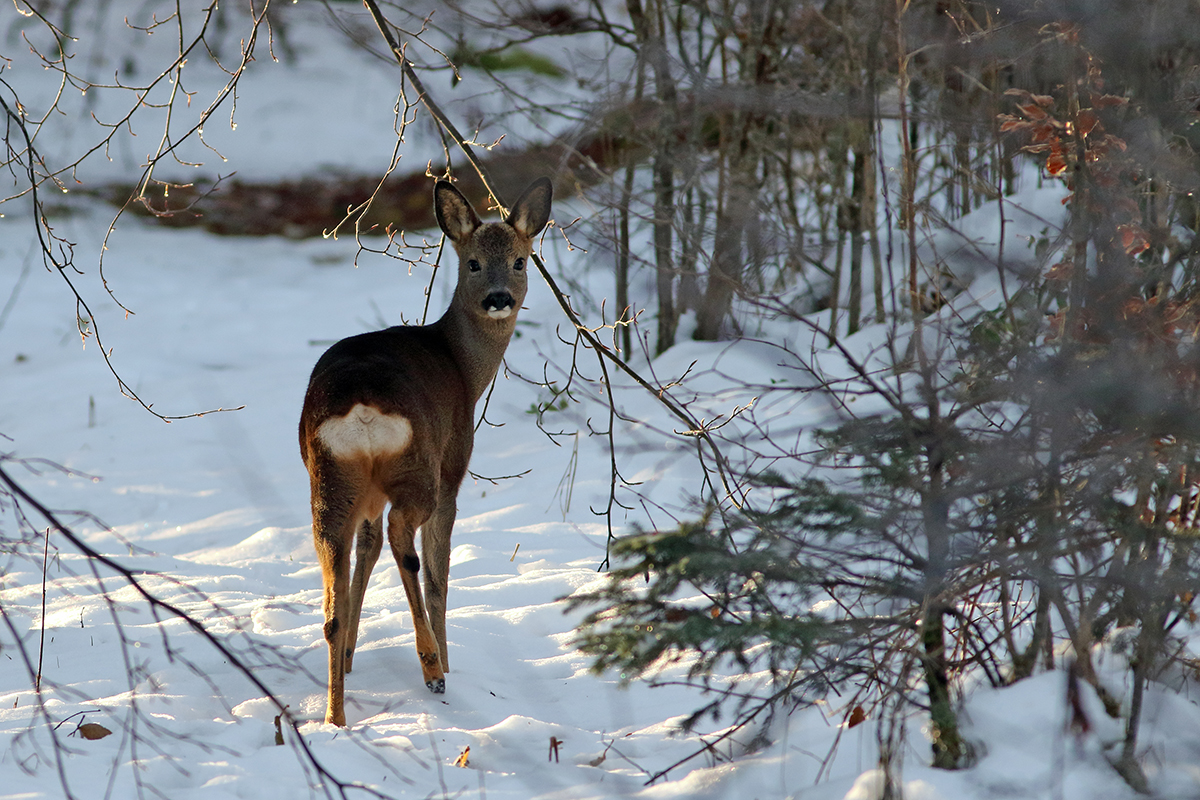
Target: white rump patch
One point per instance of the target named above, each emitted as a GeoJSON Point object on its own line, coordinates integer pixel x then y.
{"type": "Point", "coordinates": [365, 432]}
{"type": "Point", "coordinates": [499, 313]}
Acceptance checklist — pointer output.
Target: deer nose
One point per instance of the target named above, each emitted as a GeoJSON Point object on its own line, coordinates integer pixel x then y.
{"type": "Point", "coordinates": [498, 302]}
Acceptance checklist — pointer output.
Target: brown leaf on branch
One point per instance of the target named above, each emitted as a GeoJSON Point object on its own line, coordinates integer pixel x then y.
{"type": "Point", "coordinates": [1132, 307]}
{"type": "Point", "coordinates": [92, 731]}
{"type": "Point", "coordinates": [1087, 121]}
{"type": "Point", "coordinates": [1114, 142]}
{"type": "Point", "coordinates": [676, 614]}
{"type": "Point", "coordinates": [1047, 131]}
{"type": "Point", "coordinates": [1033, 111]}
{"type": "Point", "coordinates": [1011, 123]}
{"type": "Point", "coordinates": [1133, 239]}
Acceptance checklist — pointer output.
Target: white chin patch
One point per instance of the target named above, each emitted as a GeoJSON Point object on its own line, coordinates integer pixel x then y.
{"type": "Point", "coordinates": [499, 313]}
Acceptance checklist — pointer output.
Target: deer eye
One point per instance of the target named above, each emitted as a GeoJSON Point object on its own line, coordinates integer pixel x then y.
{"type": "Point", "coordinates": [474, 265]}
{"type": "Point", "coordinates": [519, 264]}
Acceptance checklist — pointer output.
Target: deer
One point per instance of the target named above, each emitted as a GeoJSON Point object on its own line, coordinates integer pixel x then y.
{"type": "Point", "coordinates": [388, 420]}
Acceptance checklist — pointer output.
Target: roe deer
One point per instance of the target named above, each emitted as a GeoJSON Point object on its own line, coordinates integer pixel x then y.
{"type": "Point", "coordinates": [389, 418]}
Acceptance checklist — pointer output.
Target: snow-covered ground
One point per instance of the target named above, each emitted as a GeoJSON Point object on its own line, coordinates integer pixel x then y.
{"type": "Point", "coordinates": [212, 514]}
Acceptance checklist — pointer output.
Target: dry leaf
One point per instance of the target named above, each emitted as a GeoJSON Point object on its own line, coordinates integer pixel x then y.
{"type": "Point", "coordinates": [676, 614]}
{"type": "Point", "coordinates": [1087, 121]}
{"type": "Point", "coordinates": [1032, 111]}
{"type": "Point", "coordinates": [463, 758]}
{"type": "Point", "coordinates": [857, 717]}
{"type": "Point", "coordinates": [1106, 100]}
{"type": "Point", "coordinates": [90, 730]}
{"type": "Point", "coordinates": [1056, 164]}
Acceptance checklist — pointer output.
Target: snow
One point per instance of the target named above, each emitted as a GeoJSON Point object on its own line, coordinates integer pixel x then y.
{"type": "Point", "coordinates": [212, 514]}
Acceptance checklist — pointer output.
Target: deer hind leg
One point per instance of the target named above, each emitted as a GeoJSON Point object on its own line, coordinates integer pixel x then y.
{"type": "Point", "coordinates": [435, 546]}
{"type": "Point", "coordinates": [333, 533]}
{"type": "Point", "coordinates": [402, 533]}
{"type": "Point", "coordinates": [369, 544]}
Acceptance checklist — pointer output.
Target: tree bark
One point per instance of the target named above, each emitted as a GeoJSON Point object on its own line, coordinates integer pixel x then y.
{"type": "Point", "coordinates": [949, 749]}
{"type": "Point", "coordinates": [858, 199]}
{"type": "Point", "coordinates": [624, 311]}
{"type": "Point", "coordinates": [649, 33]}
{"type": "Point", "coordinates": [727, 265]}
{"type": "Point", "coordinates": [739, 204]}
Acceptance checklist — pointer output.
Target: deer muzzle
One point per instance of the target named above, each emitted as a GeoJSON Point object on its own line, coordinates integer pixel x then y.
{"type": "Point", "coordinates": [498, 305]}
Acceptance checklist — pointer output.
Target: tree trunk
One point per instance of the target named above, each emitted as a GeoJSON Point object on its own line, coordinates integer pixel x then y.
{"type": "Point", "coordinates": [624, 311]}
{"type": "Point", "coordinates": [664, 213]}
{"type": "Point", "coordinates": [858, 199]}
{"type": "Point", "coordinates": [1024, 661]}
{"type": "Point", "coordinates": [757, 58]}
{"type": "Point", "coordinates": [691, 235]}
{"type": "Point", "coordinates": [838, 154]}
{"type": "Point", "coordinates": [949, 749]}
{"type": "Point", "coordinates": [727, 265]}
{"type": "Point", "coordinates": [653, 49]}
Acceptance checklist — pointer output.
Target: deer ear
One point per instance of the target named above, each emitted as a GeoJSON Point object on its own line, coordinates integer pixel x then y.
{"type": "Point", "coordinates": [454, 214]}
{"type": "Point", "coordinates": [532, 211]}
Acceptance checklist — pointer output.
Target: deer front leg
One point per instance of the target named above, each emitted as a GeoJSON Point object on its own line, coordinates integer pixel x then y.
{"type": "Point", "coordinates": [370, 543]}
{"type": "Point", "coordinates": [435, 545]}
{"type": "Point", "coordinates": [402, 533]}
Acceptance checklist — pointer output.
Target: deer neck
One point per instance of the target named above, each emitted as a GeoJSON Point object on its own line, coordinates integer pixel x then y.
{"type": "Point", "coordinates": [478, 344]}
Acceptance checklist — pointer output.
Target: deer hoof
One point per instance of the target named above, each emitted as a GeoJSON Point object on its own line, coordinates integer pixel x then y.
{"type": "Point", "coordinates": [436, 685]}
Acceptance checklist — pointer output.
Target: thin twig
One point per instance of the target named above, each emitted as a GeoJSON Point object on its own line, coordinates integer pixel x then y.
{"type": "Point", "coordinates": [42, 636]}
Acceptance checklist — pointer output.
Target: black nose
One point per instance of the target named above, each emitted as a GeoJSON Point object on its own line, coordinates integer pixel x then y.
{"type": "Point", "coordinates": [497, 301]}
